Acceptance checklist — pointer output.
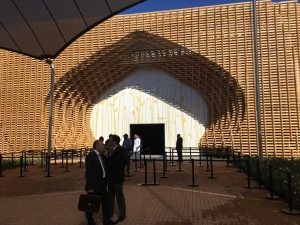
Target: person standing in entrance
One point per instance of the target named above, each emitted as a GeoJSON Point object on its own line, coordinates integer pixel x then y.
{"type": "Point", "coordinates": [179, 147]}
{"type": "Point", "coordinates": [96, 180]}
{"type": "Point", "coordinates": [127, 146]}
{"type": "Point", "coordinates": [136, 147]}
{"type": "Point", "coordinates": [116, 167]}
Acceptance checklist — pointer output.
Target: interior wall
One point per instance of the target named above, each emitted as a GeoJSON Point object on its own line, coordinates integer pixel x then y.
{"type": "Point", "coordinates": [149, 95]}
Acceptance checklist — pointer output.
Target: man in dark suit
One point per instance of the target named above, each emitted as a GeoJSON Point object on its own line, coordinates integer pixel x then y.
{"type": "Point", "coordinates": [116, 166]}
{"type": "Point", "coordinates": [96, 180]}
{"type": "Point", "coordinates": [179, 147]}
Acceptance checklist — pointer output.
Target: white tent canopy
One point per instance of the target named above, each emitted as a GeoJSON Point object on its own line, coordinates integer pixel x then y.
{"type": "Point", "coordinates": [44, 28]}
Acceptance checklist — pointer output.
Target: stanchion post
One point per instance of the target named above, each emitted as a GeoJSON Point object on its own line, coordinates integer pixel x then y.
{"type": "Point", "coordinates": [207, 164]}
{"type": "Point", "coordinates": [248, 173]}
{"type": "Point", "coordinates": [72, 157]}
{"type": "Point", "coordinates": [145, 172]}
{"type": "Point", "coordinates": [62, 159]}
{"type": "Point", "coordinates": [193, 184]}
{"type": "Point", "coordinates": [67, 161]}
{"type": "Point", "coordinates": [55, 157]}
{"type": "Point", "coordinates": [154, 173]}
{"type": "Point", "coordinates": [211, 167]}
{"type": "Point", "coordinates": [1, 165]}
{"type": "Point", "coordinates": [233, 158]}
{"type": "Point", "coordinates": [140, 159]}
{"type": "Point", "coordinates": [200, 158]}
{"type": "Point", "coordinates": [190, 153]}
{"type": "Point", "coordinates": [21, 167]}
{"type": "Point", "coordinates": [12, 160]}
{"type": "Point", "coordinates": [259, 174]}
{"type": "Point", "coordinates": [240, 161]}
{"type": "Point", "coordinates": [271, 196]}
{"type": "Point", "coordinates": [165, 163]}
{"type": "Point", "coordinates": [25, 161]}
{"type": "Point", "coordinates": [80, 158]}
{"type": "Point", "coordinates": [135, 162]}
{"type": "Point", "coordinates": [48, 161]}
{"type": "Point", "coordinates": [172, 158]}
{"type": "Point", "coordinates": [227, 157]}
{"type": "Point", "coordinates": [32, 162]}
{"type": "Point", "coordinates": [42, 163]}
{"type": "Point", "coordinates": [290, 209]}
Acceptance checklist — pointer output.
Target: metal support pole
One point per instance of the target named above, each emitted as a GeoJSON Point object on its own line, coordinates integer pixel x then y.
{"type": "Point", "coordinates": [52, 69]}
{"type": "Point", "coordinates": [257, 85]}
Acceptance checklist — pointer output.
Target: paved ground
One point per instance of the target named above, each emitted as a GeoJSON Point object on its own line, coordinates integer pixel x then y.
{"type": "Point", "coordinates": [36, 200]}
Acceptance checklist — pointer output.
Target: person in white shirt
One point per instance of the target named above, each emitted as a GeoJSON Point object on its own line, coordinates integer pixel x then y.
{"type": "Point", "coordinates": [136, 146]}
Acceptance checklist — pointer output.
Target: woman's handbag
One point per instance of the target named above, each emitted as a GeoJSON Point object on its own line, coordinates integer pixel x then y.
{"type": "Point", "coordinates": [89, 203]}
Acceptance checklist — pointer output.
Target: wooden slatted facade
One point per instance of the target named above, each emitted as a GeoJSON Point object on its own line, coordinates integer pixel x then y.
{"type": "Point", "coordinates": [208, 48]}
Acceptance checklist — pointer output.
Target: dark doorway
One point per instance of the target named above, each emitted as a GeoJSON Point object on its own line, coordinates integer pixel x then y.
{"type": "Point", "coordinates": [152, 137]}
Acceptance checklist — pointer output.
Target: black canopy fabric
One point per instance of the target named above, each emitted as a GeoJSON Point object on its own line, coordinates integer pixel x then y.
{"type": "Point", "coordinates": [44, 28]}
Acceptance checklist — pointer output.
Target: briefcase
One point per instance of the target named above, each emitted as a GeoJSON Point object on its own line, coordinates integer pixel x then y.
{"type": "Point", "coordinates": [89, 203]}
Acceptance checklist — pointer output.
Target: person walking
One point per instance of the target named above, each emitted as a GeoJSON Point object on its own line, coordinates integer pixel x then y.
{"type": "Point", "coordinates": [116, 166]}
{"type": "Point", "coordinates": [96, 181]}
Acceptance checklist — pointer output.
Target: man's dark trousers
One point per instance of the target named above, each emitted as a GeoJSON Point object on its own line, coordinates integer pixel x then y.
{"type": "Point", "coordinates": [115, 190]}
{"type": "Point", "coordinates": [179, 153]}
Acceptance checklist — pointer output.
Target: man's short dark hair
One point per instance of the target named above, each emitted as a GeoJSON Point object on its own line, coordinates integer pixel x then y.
{"type": "Point", "coordinates": [95, 144]}
{"type": "Point", "coordinates": [101, 138]}
{"type": "Point", "coordinates": [125, 135]}
{"type": "Point", "coordinates": [116, 139]}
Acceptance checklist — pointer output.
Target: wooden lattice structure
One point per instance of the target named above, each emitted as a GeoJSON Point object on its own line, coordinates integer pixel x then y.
{"type": "Point", "coordinates": [208, 48]}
